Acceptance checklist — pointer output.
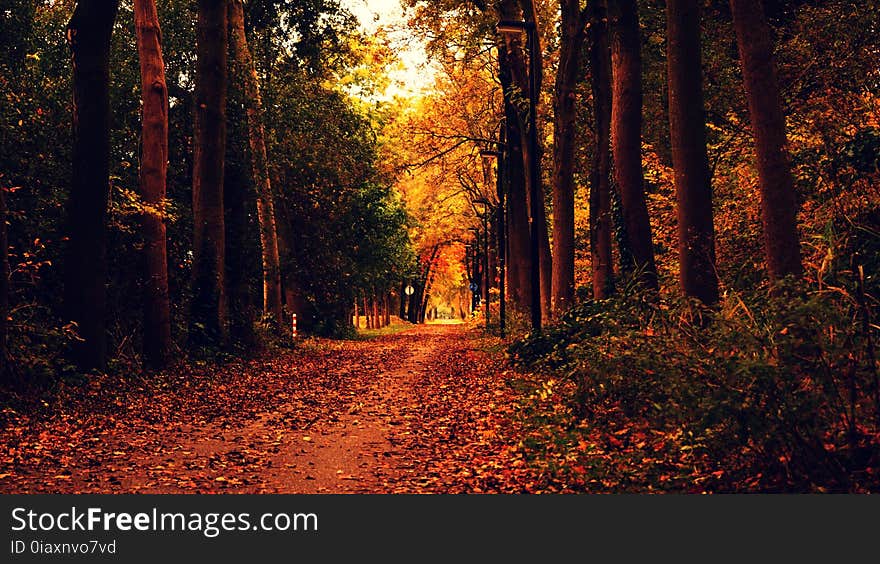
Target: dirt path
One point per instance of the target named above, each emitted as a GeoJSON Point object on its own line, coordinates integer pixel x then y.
{"type": "Point", "coordinates": [354, 449]}
{"type": "Point", "coordinates": [424, 410]}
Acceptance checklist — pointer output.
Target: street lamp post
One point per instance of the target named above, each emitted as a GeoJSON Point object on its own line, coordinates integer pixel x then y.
{"type": "Point", "coordinates": [476, 265]}
{"type": "Point", "coordinates": [486, 205]}
{"type": "Point", "coordinates": [515, 27]}
{"type": "Point", "coordinates": [501, 241]}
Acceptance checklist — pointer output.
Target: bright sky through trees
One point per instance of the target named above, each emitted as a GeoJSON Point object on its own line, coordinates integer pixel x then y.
{"type": "Point", "coordinates": [415, 73]}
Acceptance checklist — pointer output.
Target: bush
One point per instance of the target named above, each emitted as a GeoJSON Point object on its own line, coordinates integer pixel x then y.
{"type": "Point", "coordinates": [767, 393]}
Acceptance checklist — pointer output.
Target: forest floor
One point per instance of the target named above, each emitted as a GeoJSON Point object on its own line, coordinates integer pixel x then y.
{"type": "Point", "coordinates": [427, 409]}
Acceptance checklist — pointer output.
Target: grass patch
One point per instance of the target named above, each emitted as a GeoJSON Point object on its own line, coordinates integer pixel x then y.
{"type": "Point", "coordinates": [396, 326]}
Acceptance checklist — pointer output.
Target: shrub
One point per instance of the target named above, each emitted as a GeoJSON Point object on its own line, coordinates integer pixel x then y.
{"type": "Point", "coordinates": [770, 392]}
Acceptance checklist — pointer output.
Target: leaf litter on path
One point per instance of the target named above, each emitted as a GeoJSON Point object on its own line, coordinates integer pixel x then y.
{"type": "Point", "coordinates": [425, 410]}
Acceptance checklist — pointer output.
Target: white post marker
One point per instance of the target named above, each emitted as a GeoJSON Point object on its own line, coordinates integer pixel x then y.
{"type": "Point", "coordinates": [293, 325]}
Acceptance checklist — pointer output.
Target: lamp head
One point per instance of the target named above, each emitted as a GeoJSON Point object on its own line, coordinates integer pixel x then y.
{"type": "Point", "coordinates": [511, 27]}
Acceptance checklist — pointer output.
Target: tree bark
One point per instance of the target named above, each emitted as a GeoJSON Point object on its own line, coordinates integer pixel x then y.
{"type": "Point", "coordinates": [426, 294]}
{"type": "Point", "coordinates": [377, 317]}
{"type": "Point", "coordinates": [272, 303]}
{"type": "Point", "coordinates": [519, 260]}
{"type": "Point", "coordinates": [4, 290]}
{"type": "Point", "coordinates": [626, 135]}
{"type": "Point", "coordinates": [523, 79]}
{"type": "Point", "coordinates": [778, 200]}
{"type": "Point", "coordinates": [368, 318]}
{"type": "Point", "coordinates": [208, 311]}
{"type": "Point", "coordinates": [532, 145]}
{"type": "Point", "coordinates": [294, 299]}
{"type": "Point", "coordinates": [600, 177]}
{"type": "Point", "coordinates": [153, 173]}
{"type": "Point", "coordinates": [239, 262]}
{"type": "Point", "coordinates": [88, 34]}
{"type": "Point", "coordinates": [687, 129]}
{"type": "Point", "coordinates": [573, 35]}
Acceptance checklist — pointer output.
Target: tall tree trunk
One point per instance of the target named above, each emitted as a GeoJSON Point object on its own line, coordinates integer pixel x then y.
{"type": "Point", "coordinates": [294, 299]}
{"type": "Point", "coordinates": [525, 80]}
{"type": "Point", "coordinates": [532, 145]}
{"type": "Point", "coordinates": [519, 260]}
{"type": "Point", "coordinates": [272, 303]}
{"type": "Point", "coordinates": [4, 289]}
{"type": "Point", "coordinates": [571, 44]}
{"type": "Point", "coordinates": [208, 312]}
{"type": "Point", "coordinates": [368, 323]}
{"type": "Point", "coordinates": [600, 177]}
{"type": "Point", "coordinates": [426, 293]}
{"type": "Point", "coordinates": [88, 34]}
{"type": "Point", "coordinates": [357, 316]}
{"type": "Point", "coordinates": [687, 128]}
{"type": "Point", "coordinates": [501, 238]}
{"type": "Point", "coordinates": [153, 172]}
{"type": "Point", "coordinates": [626, 134]}
{"type": "Point", "coordinates": [387, 309]}
{"type": "Point", "coordinates": [239, 261]}
{"type": "Point", "coordinates": [778, 201]}
{"type": "Point", "coordinates": [545, 259]}
{"type": "Point", "coordinates": [413, 306]}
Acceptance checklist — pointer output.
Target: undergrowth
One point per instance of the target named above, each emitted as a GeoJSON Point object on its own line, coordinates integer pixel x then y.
{"type": "Point", "coordinates": [767, 392]}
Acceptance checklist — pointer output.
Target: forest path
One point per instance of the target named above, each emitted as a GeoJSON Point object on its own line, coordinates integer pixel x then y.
{"type": "Point", "coordinates": [422, 410]}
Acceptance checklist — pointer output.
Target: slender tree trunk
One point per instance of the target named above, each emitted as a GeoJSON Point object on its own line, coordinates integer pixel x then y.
{"type": "Point", "coordinates": [571, 45]}
{"type": "Point", "coordinates": [377, 316]}
{"type": "Point", "coordinates": [402, 311]}
{"type": "Point", "coordinates": [519, 260]}
{"type": "Point", "coordinates": [426, 295]}
{"type": "Point", "coordinates": [368, 320]}
{"type": "Point", "coordinates": [239, 262]}
{"type": "Point", "coordinates": [5, 371]}
{"type": "Point", "coordinates": [687, 127]}
{"type": "Point", "coordinates": [517, 49]}
{"type": "Point", "coordinates": [545, 259]}
{"type": "Point", "coordinates": [88, 34]}
{"type": "Point", "coordinates": [272, 303]}
{"type": "Point", "coordinates": [419, 299]}
{"type": "Point", "coordinates": [377, 306]}
{"type": "Point", "coordinates": [357, 317]}
{"type": "Point", "coordinates": [387, 309]}
{"type": "Point", "coordinates": [153, 171]}
{"type": "Point", "coordinates": [208, 312]}
{"type": "Point", "coordinates": [413, 306]}
{"type": "Point", "coordinates": [501, 238]}
{"type": "Point", "coordinates": [600, 177]}
{"type": "Point", "coordinates": [778, 200]}
{"type": "Point", "coordinates": [294, 299]}
{"type": "Point", "coordinates": [626, 134]}
{"type": "Point", "coordinates": [493, 248]}
{"type": "Point", "coordinates": [532, 146]}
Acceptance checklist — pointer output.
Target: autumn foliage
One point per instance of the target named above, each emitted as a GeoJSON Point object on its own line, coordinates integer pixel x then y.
{"type": "Point", "coordinates": [674, 205]}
